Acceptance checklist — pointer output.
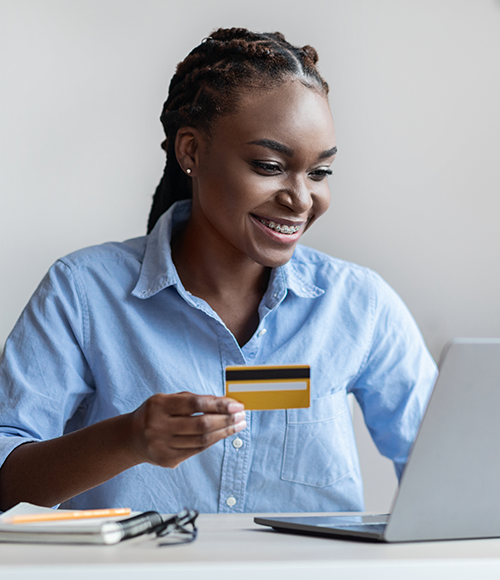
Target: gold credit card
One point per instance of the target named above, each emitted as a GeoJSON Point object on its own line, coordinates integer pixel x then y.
{"type": "Point", "coordinates": [268, 387]}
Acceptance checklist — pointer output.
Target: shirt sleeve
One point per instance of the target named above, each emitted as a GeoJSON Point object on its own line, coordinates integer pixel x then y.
{"type": "Point", "coordinates": [44, 374]}
{"type": "Point", "coordinates": [396, 381]}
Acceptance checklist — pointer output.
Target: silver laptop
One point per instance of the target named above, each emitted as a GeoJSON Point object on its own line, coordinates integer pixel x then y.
{"type": "Point", "coordinates": [450, 487]}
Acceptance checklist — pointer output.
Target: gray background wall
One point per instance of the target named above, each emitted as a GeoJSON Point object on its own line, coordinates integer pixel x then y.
{"type": "Point", "coordinates": [415, 92]}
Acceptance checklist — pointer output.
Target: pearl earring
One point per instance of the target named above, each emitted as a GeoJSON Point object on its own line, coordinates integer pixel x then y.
{"type": "Point", "coordinates": [188, 171]}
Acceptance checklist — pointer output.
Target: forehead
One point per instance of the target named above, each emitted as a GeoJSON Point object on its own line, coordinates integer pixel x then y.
{"type": "Point", "coordinates": [290, 113]}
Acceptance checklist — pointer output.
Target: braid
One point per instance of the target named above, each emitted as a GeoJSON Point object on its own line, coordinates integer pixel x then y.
{"type": "Point", "coordinates": [207, 83]}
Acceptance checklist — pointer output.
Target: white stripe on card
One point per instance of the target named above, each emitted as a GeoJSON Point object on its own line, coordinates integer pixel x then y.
{"type": "Point", "coordinates": [248, 387]}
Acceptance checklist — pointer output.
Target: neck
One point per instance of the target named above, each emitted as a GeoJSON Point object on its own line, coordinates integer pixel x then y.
{"type": "Point", "coordinates": [232, 284]}
{"type": "Point", "coordinates": [211, 270]}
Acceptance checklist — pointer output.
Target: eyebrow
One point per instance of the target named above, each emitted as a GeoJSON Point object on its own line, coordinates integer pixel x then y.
{"type": "Point", "coordinates": [329, 153]}
{"type": "Point", "coordinates": [274, 145]}
{"type": "Point", "coordinates": [280, 148]}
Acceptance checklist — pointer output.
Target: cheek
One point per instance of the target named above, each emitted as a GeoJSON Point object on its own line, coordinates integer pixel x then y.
{"type": "Point", "coordinates": [323, 200]}
{"type": "Point", "coordinates": [237, 190]}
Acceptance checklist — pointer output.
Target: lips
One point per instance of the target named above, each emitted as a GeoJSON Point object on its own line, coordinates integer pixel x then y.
{"type": "Point", "coordinates": [281, 226]}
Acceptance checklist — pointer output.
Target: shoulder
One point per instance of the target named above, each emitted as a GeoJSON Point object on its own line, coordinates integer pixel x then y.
{"type": "Point", "coordinates": [357, 287]}
{"type": "Point", "coordinates": [100, 268]}
{"type": "Point", "coordinates": [114, 253]}
{"type": "Point", "coordinates": [327, 271]}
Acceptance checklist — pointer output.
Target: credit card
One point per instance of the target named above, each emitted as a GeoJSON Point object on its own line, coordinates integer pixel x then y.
{"type": "Point", "coordinates": [269, 387]}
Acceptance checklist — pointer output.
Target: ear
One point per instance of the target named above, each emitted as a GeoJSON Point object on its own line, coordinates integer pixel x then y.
{"type": "Point", "coordinates": [187, 149]}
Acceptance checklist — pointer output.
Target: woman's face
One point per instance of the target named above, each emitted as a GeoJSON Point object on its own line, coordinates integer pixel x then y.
{"type": "Point", "coordinates": [261, 180]}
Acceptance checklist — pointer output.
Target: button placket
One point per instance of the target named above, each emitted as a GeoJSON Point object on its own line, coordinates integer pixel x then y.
{"type": "Point", "coordinates": [235, 471]}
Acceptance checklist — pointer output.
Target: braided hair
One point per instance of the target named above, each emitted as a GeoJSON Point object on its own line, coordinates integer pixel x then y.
{"type": "Point", "coordinates": [207, 83]}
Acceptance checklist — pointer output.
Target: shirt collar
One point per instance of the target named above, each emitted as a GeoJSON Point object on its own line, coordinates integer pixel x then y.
{"type": "Point", "coordinates": [296, 279]}
{"type": "Point", "coordinates": [158, 270]}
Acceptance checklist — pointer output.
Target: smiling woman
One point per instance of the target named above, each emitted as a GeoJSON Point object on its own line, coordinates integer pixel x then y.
{"type": "Point", "coordinates": [114, 374]}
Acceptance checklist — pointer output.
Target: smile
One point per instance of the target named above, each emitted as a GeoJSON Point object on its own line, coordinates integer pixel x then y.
{"type": "Point", "coordinates": [280, 228]}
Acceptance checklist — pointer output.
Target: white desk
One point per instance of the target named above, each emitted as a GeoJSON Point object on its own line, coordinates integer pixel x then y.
{"type": "Point", "coordinates": [232, 547]}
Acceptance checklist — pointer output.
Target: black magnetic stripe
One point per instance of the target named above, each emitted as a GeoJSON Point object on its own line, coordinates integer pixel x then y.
{"type": "Point", "coordinates": [266, 374]}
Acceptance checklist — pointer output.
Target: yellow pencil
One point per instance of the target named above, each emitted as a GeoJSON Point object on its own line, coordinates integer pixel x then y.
{"type": "Point", "coordinates": [61, 515]}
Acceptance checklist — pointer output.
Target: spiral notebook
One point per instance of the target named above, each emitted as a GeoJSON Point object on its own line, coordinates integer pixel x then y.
{"type": "Point", "coordinates": [106, 530]}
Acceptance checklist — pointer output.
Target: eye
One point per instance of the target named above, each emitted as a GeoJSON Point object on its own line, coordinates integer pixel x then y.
{"type": "Point", "coordinates": [267, 167]}
{"type": "Point", "coordinates": [320, 174]}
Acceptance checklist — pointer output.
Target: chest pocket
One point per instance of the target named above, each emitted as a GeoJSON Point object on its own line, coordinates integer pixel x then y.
{"type": "Point", "coordinates": [319, 442]}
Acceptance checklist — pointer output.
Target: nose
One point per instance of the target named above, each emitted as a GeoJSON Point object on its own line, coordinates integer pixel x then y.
{"type": "Point", "coordinates": [297, 194]}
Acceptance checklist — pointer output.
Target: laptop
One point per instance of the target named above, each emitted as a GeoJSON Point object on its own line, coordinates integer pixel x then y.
{"type": "Point", "coordinates": [450, 488]}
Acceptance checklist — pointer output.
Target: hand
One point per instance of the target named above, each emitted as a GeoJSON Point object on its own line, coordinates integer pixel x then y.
{"type": "Point", "coordinates": [166, 431]}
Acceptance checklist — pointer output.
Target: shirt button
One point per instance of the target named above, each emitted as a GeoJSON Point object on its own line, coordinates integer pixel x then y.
{"type": "Point", "coordinates": [237, 443]}
{"type": "Point", "coordinates": [231, 501]}
{"type": "Point", "coordinates": [262, 332]}
{"type": "Point", "coordinates": [275, 295]}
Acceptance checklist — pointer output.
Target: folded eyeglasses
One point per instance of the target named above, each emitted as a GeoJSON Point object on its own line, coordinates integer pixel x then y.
{"type": "Point", "coordinates": [179, 529]}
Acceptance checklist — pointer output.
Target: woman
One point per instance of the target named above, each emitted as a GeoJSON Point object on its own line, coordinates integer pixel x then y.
{"type": "Point", "coordinates": [114, 374]}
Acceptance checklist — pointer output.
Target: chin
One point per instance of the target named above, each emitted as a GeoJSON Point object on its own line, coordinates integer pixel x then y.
{"type": "Point", "coordinates": [276, 259]}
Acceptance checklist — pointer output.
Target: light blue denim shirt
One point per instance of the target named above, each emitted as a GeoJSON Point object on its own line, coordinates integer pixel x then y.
{"type": "Point", "coordinates": [111, 325]}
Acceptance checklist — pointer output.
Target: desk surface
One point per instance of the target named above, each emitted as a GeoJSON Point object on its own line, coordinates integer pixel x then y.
{"type": "Point", "coordinates": [234, 544]}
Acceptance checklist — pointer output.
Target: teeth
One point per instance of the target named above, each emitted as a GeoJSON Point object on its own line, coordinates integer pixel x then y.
{"type": "Point", "coordinates": [281, 228]}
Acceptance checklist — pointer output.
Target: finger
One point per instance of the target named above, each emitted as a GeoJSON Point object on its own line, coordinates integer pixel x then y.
{"type": "Point", "coordinates": [189, 404]}
{"type": "Point", "coordinates": [204, 440]}
{"type": "Point", "coordinates": [199, 424]}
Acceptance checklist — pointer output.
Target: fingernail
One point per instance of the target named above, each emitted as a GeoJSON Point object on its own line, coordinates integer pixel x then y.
{"type": "Point", "coordinates": [240, 426]}
{"type": "Point", "coordinates": [239, 417]}
{"type": "Point", "coordinates": [235, 407]}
